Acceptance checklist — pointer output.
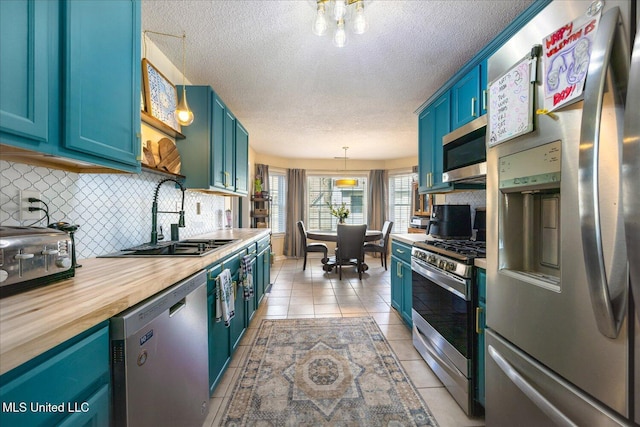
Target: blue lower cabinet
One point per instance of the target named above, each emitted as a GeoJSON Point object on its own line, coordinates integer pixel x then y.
{"type": "Point", "coordinates": [219, 345]}
{"type": "Point", "coordinates": [68, 385]}
{"type": "Point", "coordinates": [401, 292]}
{"type": "Point", "coordinates": [224, 340]}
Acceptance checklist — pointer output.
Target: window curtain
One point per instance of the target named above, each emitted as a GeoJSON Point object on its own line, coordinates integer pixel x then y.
{"type": "Point", "coordinates": [297, 182]}
{"type": "Point", "coordinates": [378, 198]}
{"type": "Point", "coordinates": [262, 171]}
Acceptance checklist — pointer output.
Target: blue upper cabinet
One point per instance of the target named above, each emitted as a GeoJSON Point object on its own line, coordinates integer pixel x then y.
{"type": "Point", "coordinates": [215, 151]}
{"type": "Point", "coordinates": [218, 178]}
{"type": "Point", "coordinates": [71, 81]}
{"type": "Point", "coordinates": [101, 79]}
{"type": "Point", "coordinates": [465, 99]}
{"type": "Point", "coordinates": [433, 124]}
{"type": "Point", "coordinates": [228, 152]}
{"type": "Point", "coordinates": [25, 68]}
{"type": "Point", "coordinates": [484, 99]}
{"type": "Point", "coordinates": [242, 159]}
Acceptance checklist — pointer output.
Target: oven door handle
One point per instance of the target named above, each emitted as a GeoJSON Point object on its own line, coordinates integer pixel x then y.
{"type": "Point", "coordinates": [441, 359]}
{"type": "Point", "coordinates": [454, 285]}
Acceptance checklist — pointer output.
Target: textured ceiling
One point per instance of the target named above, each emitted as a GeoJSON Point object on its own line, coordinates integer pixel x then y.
{"type": "Point", "coordinates": [298, 95]}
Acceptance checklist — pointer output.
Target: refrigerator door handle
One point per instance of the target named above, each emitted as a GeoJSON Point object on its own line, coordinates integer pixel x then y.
{"type": "Point", "coordinates": [609, 48]}
{"type": "Point", "coordinates": [631, 170]}
{"type": "Point", "coordinates": [532, 394]}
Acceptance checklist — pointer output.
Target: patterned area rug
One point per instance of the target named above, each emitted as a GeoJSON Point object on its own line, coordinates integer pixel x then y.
{"type": "Point", "coordinates": [324, 372]}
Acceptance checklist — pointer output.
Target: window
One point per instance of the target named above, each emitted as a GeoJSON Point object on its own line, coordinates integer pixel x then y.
{"type": "Point", "coordinates": [278, 191]}
{"type": "Point", "coordinates": [400, 193]}
{"type": "Point", "coordinates": [321, 190]}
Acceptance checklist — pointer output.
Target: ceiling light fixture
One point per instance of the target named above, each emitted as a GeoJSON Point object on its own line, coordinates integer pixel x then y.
{"type": "Point", "coordinates": [183, 113]}
{"type": "Point", "coordinates": [346, 182]}
{"type": "Point", "coordinates": [341, 8]}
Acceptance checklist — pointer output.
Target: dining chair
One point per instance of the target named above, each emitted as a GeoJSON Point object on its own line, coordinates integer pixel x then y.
{"type": "Point", "coordinates": [311, 247]}
{"type": "Point", "coordinates": [350, 247]}
{"type": "Point", "coordinates": [381, 246]}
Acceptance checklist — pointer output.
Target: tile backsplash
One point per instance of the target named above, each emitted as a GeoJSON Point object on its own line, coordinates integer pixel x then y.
{"type": "Point", "coordinates": [474, 198]}
{"type": "Point", "coordinates": [112, 210]}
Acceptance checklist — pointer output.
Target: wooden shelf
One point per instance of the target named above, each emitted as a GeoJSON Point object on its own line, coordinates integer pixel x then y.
{"type": "Point", "coordinates": [152, 121]}
{"type": "Point", "coordinates": [163, 172]}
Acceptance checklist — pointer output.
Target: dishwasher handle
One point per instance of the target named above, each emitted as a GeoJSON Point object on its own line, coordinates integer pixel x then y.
{"type": "Point", "coordinates": [175, 308]}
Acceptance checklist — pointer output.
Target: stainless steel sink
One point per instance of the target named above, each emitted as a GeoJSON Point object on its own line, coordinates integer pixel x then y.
{"type": "Point", "coordinates": [182, 248]}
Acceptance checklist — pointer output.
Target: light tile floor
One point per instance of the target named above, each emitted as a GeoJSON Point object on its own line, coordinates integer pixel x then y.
{"type": "Point", "coordinates": [314, 293]}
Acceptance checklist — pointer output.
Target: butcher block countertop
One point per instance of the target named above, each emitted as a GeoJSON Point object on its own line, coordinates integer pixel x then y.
{"type": "Point", "coordinates": [35, 321]}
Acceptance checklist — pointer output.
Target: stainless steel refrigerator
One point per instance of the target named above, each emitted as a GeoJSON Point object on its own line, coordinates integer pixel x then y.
{"type": "Point", "coordinates": [563, 233]}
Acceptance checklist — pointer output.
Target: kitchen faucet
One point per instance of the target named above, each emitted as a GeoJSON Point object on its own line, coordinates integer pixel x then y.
{"type": "Point", "coordinates": [155, 211]}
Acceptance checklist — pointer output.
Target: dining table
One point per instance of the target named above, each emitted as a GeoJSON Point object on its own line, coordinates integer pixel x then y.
{"type": "Point", "coordinates": [332, 236]}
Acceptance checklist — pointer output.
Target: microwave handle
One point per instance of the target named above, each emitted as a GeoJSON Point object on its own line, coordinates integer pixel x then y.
{"type": "Point", "coordinates": [609, 49]}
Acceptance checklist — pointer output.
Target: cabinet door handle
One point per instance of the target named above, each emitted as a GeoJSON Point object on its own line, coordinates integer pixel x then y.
{"type": "Point", "coordinates": [473, 107]}
{"type": "Point", "coordinates": [479, 330]}
{"type": "Point", "coordinates": [226, 174]}
{"type": "Point", "coordinates": [399, 269]}
{"type": "Point", "coordinates": [484, 100]}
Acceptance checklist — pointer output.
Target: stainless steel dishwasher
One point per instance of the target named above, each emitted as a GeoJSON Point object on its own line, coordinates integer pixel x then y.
{"type": "Point", "coordinates": [159, 356]}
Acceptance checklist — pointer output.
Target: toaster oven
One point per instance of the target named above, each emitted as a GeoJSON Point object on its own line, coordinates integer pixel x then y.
{"type": "Point", "coordinates": [33, 256]}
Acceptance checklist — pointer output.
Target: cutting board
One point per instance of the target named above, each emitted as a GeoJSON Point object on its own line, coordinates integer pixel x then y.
{"type": "Point", "coordinates": [169, 156]}
{"type": "Point", "coordinates": [148, 158]}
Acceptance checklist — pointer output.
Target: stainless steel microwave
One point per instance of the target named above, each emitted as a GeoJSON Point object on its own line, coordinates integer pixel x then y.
{"type": "Point", "coordinates": [464, 153]}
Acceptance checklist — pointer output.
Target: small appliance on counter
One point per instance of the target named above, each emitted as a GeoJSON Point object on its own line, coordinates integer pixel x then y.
{"type": "Point", "coordinates": [480, 225]}
{"type": "Point", "coordinates": [419, 222]}
{"type": "Point", "coordinates": [33, 256]}
{"type": "Point", "coordinates": [450, 222]}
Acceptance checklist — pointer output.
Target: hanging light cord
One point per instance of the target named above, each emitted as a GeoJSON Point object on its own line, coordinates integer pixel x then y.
{"type": "Point", "coordinates": [183, 37]}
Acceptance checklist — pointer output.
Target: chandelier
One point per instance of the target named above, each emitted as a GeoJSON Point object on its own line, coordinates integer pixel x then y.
{"type": "Point", "coordinates": [346, 182]}
{"type": "Point", "coordinates": [342, 11]}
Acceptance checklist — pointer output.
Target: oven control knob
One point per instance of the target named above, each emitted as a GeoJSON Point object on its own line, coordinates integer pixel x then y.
{"type": "Point", "coordinates": [451, 266]}
{"type": "Point", "coordinates": [442, 264]}
{"type": "Point", "coordinates": [3, 275]}
{"type": "Point", "coordinates": [432, 259]}
{"type": "Point", "coordinates": [63, 262]}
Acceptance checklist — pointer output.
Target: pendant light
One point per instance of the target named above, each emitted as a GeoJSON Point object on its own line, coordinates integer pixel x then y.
{"type": "Point", "coordinates": [184, 115]}
{"type": "Point", "coordinates": [346, 182]}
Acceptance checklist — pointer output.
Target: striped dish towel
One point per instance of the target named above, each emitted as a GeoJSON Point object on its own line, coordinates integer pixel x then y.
{"type": "Point", "coordinates": [225, 299]}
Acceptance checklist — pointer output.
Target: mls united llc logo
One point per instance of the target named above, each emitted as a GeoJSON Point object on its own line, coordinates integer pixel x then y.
{"type": "Point", "coordinates": [21, 407]}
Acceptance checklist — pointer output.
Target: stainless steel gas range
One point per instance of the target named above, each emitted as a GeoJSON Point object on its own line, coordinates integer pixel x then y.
{"type": "Point", "coordinates": [443, 313]}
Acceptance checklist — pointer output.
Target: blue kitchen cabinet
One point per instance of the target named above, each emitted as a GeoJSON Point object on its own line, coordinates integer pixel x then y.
{"type": "Point", "coordinates": [469, 96]}
{"type": "Point", "coordinates": [241, 172]}
{"type": "Point", "coordinates": [263, 269]}
{"type": "Point", "coordinates": [465, 99]}
{"type": "Point", "coordinates": [481, 317]}
{"type": "Point", "coordinates": [28, 74]}
{"type": "Point", "coordinates": [228, 152]}
{"type": "Point", "coordinates": [433, 123]}
{"type": "Point", "coordinates": [215, 150]}
{"type": "Point", "coordinates": [74, 376]}
{"type": "Point", "coordinates": [71, 80]}
{"type": "Point", "coordinates": [219, 344]}
{"type": "Point", "coordinates": [401, 292]}
{"type": "Point", "coordinates": [484, 84]}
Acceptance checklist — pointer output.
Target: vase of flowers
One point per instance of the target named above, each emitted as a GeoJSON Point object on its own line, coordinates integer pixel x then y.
{"type": "Point", "coordinates": [341, 212]}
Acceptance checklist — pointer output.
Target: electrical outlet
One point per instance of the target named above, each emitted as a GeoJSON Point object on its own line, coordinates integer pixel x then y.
{"type": "Point", "coordinates": [25, 215]}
